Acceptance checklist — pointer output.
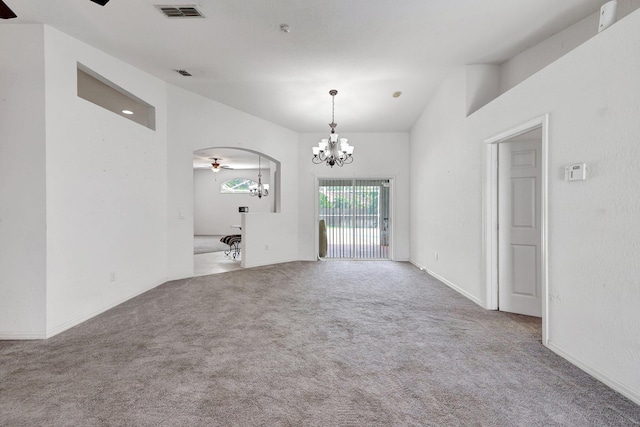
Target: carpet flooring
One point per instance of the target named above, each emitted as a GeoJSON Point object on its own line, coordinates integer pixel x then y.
{"type": "Point", "coordinates": [336, 343]}
{"type": "Point", "coordinates": [207, 244]}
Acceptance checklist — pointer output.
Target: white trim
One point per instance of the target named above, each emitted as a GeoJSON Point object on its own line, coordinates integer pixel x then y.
{"type": "Point", "coordinates": [316, 221]}
{"type": "Point", "coordinates": [596, 373]}
{"type": "Point", "coordinates": [490, 215]}
{"type": "Point", "coordinates": [490, 230]}
{"type": "Point", "coordinates": [392, 219]}
{"type": "Point", "coordinates": [455, 287]}
{"type": "Point", "coordinates": [273, 262]}
{"type": "Point", "coordinates": [449, 284]}
{"type": "Point", "coordinates": [22, 335]}
{"type": "Point", "coordinates": [74, 322]}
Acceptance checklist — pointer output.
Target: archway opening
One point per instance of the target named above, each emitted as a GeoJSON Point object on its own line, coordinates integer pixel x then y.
{"type": "Point", "coordinates": [222, 180]}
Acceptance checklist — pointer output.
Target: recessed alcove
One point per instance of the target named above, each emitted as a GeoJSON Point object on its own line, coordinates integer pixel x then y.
{"type": "Point", "coordinates": [100, 91]}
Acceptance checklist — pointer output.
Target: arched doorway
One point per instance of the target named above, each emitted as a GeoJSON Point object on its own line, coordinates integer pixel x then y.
{"type": "Point", "coordinates": [221, 193]}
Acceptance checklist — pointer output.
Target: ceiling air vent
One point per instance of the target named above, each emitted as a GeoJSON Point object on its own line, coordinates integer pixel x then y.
{"type": "Point", "coordinates": [184, 73]}
{"type": "Point", "coordinates": [180, 11]}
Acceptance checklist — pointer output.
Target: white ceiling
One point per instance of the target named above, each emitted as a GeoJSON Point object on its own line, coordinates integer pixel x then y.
{"type": "Point", "coordinates": [366, 49]}
{"type": "Point", "coordinates": [231, 157]}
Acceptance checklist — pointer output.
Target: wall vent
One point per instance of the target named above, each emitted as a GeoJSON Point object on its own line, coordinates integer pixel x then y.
{"type": "Point", "coordinates": [184, 73]}
{"type": "Point", "coordinates": [180, 11]}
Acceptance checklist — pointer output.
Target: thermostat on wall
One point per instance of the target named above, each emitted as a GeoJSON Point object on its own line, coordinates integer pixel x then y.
{"type": "Point", "coordinates": [577, 172]}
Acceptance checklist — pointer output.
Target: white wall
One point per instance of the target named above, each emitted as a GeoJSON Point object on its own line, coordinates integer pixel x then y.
{"type": "Point", "coordinates": [591, 95]}
{"type": "Point", "coordinates": [106, 188]}
{"type": "Point", "coordinates": [22, 182]}
{"type": "Point", "coordinates": [376, 155]}
{"type": "Point", "coordinates": [483, 85]}
{"type": "Point", "coordinates": [196, 122]}
{"type": "Point", "coordinates": [446, 188]}
{"type": "Point", "coordinates": [532, 60]}
{"type": "Point", "coordinates": [214, 213]}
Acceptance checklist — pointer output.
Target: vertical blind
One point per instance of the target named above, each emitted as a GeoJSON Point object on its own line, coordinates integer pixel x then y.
{"type": "Point", "coordinates": [356, 217]}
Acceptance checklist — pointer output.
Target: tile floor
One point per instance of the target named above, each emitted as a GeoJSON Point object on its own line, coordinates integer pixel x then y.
{"type": "Point", "coordinates": [214, 262]}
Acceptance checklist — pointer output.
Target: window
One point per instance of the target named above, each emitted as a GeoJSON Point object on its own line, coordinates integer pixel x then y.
{"type": "Point", "coordinates": [239, 186]}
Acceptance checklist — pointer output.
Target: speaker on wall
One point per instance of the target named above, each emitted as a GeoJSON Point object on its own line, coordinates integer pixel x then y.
{"type": "Point", "coordinates": [607, 15]}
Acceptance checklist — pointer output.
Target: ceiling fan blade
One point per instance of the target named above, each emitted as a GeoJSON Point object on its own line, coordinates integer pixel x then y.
{"type": "Point", "coordinates": [5, 12]}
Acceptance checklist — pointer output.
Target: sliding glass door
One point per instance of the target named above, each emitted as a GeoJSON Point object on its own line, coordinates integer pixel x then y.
{"type": "Point", "coordinates": [354, 217]}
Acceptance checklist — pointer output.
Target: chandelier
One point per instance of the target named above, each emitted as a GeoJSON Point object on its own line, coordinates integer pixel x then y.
{"type": "Point", "coordinates": [259, 189]}
{"type": "Point", "coordinates": [333, 150]}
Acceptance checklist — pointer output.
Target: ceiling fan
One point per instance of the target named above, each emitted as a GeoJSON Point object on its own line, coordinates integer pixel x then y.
{"type": "Point", "coordinates": [6, 13]}
{"type": "Point", "coordinates": [216, 167]}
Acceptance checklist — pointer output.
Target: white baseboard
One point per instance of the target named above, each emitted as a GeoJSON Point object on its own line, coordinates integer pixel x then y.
{"type": "Point", "coordinates": [450, 284]}
{"type": "Point", "coordinates": [179, 277]}
{"type": "Point", "coordinates": [73, 322]}
{"type": "Point", "coordinates": [22, 335]}
{"type": "Point", "coordinates": [272, 262]}
{"type": "Point", "coordinates": [596, 373]}
{"type": "Point", "coordinates": [456, 288]}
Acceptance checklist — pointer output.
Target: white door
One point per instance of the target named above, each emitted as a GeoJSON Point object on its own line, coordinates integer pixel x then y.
{"type": "Point", "coordinates": [519, 231]}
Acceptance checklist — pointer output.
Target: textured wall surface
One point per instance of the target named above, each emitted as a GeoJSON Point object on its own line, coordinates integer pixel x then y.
{"type": "Point", "coordinates": [376, 155]}
{"type": "Point", "coordinates": [22, 182]}
{"type": "Point", "coordinates": [195, 123]}
{"type": "Point", "coordinates": [214, 213]}
{"type": "Point", "coordinates": [106, 188]}
{"type": "Point", "coordinates": [591, 97]}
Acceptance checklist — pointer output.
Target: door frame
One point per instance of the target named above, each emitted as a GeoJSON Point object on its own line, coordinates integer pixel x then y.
{"type": "Point", "coordinates": [491, 214]}
{"type": "Point", "coordinates": [392, 212]}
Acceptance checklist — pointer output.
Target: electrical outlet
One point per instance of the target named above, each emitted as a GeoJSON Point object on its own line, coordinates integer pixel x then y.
{"type": "Point", "coordinates": [435, 256]}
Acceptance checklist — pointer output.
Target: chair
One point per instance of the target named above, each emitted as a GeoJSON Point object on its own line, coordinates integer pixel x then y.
{"type": "Point", "coordinates": [233, 240]}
